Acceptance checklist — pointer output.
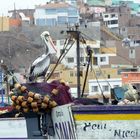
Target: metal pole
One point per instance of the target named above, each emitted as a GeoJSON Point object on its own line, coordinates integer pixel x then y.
{"type": "Point", "coordinates": [76, 35]}
{"type": "Point", "coordinates": [78, 65]}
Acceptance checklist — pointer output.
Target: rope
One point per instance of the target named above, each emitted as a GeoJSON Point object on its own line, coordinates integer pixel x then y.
{"type": "Point", "coordinates": [110, 50]}
{"type": "Point", "coordinates": [104, 98]}
{"type": "Point", "coordinates": [61, 56]}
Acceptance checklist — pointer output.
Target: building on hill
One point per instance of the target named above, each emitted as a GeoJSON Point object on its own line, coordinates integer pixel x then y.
{"type": "Point", "coordinates": [73, 2]}
{"type": "Point", "coordinates": [133, 5]}
{"type": "Point", "coordinates": [99, 2]}
{"type": "Point", "coordinates": [4, 24]}
{"type": "Point", "coordinates": [58, 13]}
{"type": "Point", "coordinates": [116, 17]}
{"type": "Point", "coordinates": [21, 17]}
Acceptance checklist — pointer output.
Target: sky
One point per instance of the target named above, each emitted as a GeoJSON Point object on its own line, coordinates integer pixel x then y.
{"type": "Point", "coordinates": [6, 5]}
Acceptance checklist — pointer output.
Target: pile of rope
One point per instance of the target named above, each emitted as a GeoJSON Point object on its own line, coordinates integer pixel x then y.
{"type": "Point", "coordinates": [25, 101]}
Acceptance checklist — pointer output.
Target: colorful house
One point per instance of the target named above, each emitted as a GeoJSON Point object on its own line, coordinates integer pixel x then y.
{"type": "Point", "coordinates": [53, 14]}
{"type": "Point", "coordinates": [4, 23]}
{"type": "Point", "coordinates": [132, 77]}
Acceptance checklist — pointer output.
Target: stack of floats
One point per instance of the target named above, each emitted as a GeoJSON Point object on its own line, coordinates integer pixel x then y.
{"type": "Point", "coordinates": [26, 101]}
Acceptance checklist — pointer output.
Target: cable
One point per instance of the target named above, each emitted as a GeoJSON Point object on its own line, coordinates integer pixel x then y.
{"type": "Point", "coordinates": [104, 76]}
{"type": "Point", "coordinates": [110, 50]}
{"type": "Point", "coordinates": [61, 56]}
{"type": "Point", "coordinates": [104, 98]}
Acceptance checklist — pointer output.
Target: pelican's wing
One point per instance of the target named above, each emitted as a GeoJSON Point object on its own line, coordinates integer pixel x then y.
{"type": "Point", "coordinates": [40, 66]}
{"type": "Point", "coordinates": [39, 59]}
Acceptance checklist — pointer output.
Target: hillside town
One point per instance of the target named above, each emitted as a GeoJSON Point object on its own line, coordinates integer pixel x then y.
{"type": "Point", "coordinates": [111, 28]}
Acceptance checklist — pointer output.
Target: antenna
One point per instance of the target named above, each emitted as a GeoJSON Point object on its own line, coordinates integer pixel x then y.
{"type": "Point", "coordinates": [14, 10]}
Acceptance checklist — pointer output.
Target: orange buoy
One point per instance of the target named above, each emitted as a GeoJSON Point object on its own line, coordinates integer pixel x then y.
{"type": "Point", "coordinates": [18, 107]}
{"type": "Point", "coordinates": [17, 86]}
{"type": "Point", "coordinates": [46, 99]}
{"type": "Point", "coordinates": [35, 109]}
{"type": "Point", "coordinates": [34, 104]}
{"type": "Point", "coordinates": [55, 91]}
{"type": "Point", "coordinates": [20, 98]}
{"type": "Point", "coordinates": [17, 101]}
{"type": "Point", "coordinates": [24, 104]}
{"type": "Point", "coordinates": [13, 98]}
{"type": "Point", "coordinates": [52, 104]}
{"type": "Point", "coordinates": [44, 105]}
{"type": "Point", "coordinates": [23, 88]}
{"type": "Point", "coordinates": [31, 94]}
{"type": "Point", "coordinates": [30, 99]}
{"type": "Point", "coordinates": [37, 96]}
{"type": "Point", "coordinates": [26, 110]}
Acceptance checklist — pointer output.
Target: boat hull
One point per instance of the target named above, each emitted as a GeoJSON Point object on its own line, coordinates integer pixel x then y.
{"type": "Point", "coordinates": [80, 122]}
{"type": "Point", "coordinates": [110, 122]}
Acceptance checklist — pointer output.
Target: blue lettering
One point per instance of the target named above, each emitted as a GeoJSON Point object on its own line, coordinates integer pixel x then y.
{"type": "Point", "coordinates": [57, 129]}
{"type": "Point", "coordinates": [64, 130]}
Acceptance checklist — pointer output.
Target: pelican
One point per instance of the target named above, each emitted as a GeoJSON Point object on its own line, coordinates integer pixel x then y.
{"type": "Point", "coordinates": [40, 66]}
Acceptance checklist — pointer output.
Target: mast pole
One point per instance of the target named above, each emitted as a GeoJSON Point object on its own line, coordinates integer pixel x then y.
{"type": "Point", "coordinates": [78, 65]}
{"type": "Point", "coordinates": [76, 35]}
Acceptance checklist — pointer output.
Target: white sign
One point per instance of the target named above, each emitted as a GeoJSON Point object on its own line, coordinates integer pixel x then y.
{"type": "Point", "coordinates": [109, 129]}
{"type": "Point", "coordinates": [13, 128]}
{"type": "Point", "coordinates": [63, 122]}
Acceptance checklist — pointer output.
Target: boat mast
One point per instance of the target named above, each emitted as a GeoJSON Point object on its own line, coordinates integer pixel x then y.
{"type": "Point", "coordinates": [76, 34]}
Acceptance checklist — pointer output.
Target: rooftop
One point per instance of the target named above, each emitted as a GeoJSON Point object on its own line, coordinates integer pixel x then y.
{"type": "Point", "coordinates": [53, 5]}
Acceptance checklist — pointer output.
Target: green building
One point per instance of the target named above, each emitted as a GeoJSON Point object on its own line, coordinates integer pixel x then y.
{"type": "Point", "coordinates": [99, 2]}
{"type": "Point", "coordinates": [135, 7]}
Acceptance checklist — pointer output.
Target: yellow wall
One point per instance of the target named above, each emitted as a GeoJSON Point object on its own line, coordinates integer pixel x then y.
{"type": "Point", "coordinates": [110, 50]}
{"type": "Point", "coordinates": [69, 75]}
{"type": "Point", "coordinates": [4, 23]}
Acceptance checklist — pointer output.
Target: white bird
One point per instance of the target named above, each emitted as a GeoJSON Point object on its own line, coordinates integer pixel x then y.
{"type": "Point", "coordinates": [126, 42]}
{"type": "Point", "coordinates": [40, 66]}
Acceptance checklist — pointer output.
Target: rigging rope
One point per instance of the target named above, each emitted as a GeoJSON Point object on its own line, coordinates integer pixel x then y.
{"type": "Point", "coordinates": [110, 49]}
{"type": "Point", "coordinates": [64, 52]}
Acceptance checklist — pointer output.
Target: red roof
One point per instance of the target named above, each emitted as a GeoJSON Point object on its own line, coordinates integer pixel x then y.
{"type": "Point", "coordinates": [53, 5]}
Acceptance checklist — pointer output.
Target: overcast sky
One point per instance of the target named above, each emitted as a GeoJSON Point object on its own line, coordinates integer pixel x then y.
{"type": "Point", "coordinates": [6, 5]}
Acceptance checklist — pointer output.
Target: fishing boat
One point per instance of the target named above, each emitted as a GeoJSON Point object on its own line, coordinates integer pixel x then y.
{"type": "Point", "coordinates": [47, 111]}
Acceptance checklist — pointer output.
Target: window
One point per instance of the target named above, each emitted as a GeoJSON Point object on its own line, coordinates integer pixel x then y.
{"type": "Point", "coordinates": [50, 11]}
{"type": "Point", "coordinates": [103, 59]}
{"type": "Point", "coordinates": [138, 41]}
{"type": "Point", "coordinates": [114, 21]}
{"type": "Point", "coordinates": [70, 60]}
{"type": "Point", "coordinates": [125, 75]}
{"type": "Point", "coordinates": [71, 74]}
{"type": "Point", "coordinates": [105, 88]}
{"type": "Point", "coordinates": [108, 76]}
{"type": "Point", "coordinates": [113, 15]}
{"type": "Point", "coordinates": [96, 50]}
{"type": "Point", "coordinates": [94, 88]}
{"type": "Point", "coordinates": [116, 86]}
{"type": "Point", "coordinates": [132, 53]}
{"type": "Point", "coordinates": [106, 16]}
{"type": "Point", "coordinates": [62, 19]}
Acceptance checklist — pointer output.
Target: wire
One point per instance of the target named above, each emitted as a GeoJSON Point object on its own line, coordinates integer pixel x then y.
{"type": "Point", "coordinates": [104, 98]}
{"type": "Point", "coordinates": [104, 76]}
{"type": "Point", "coordinates": [61, 56]}
{"type": "Point", "coordinates": [110, 50]}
